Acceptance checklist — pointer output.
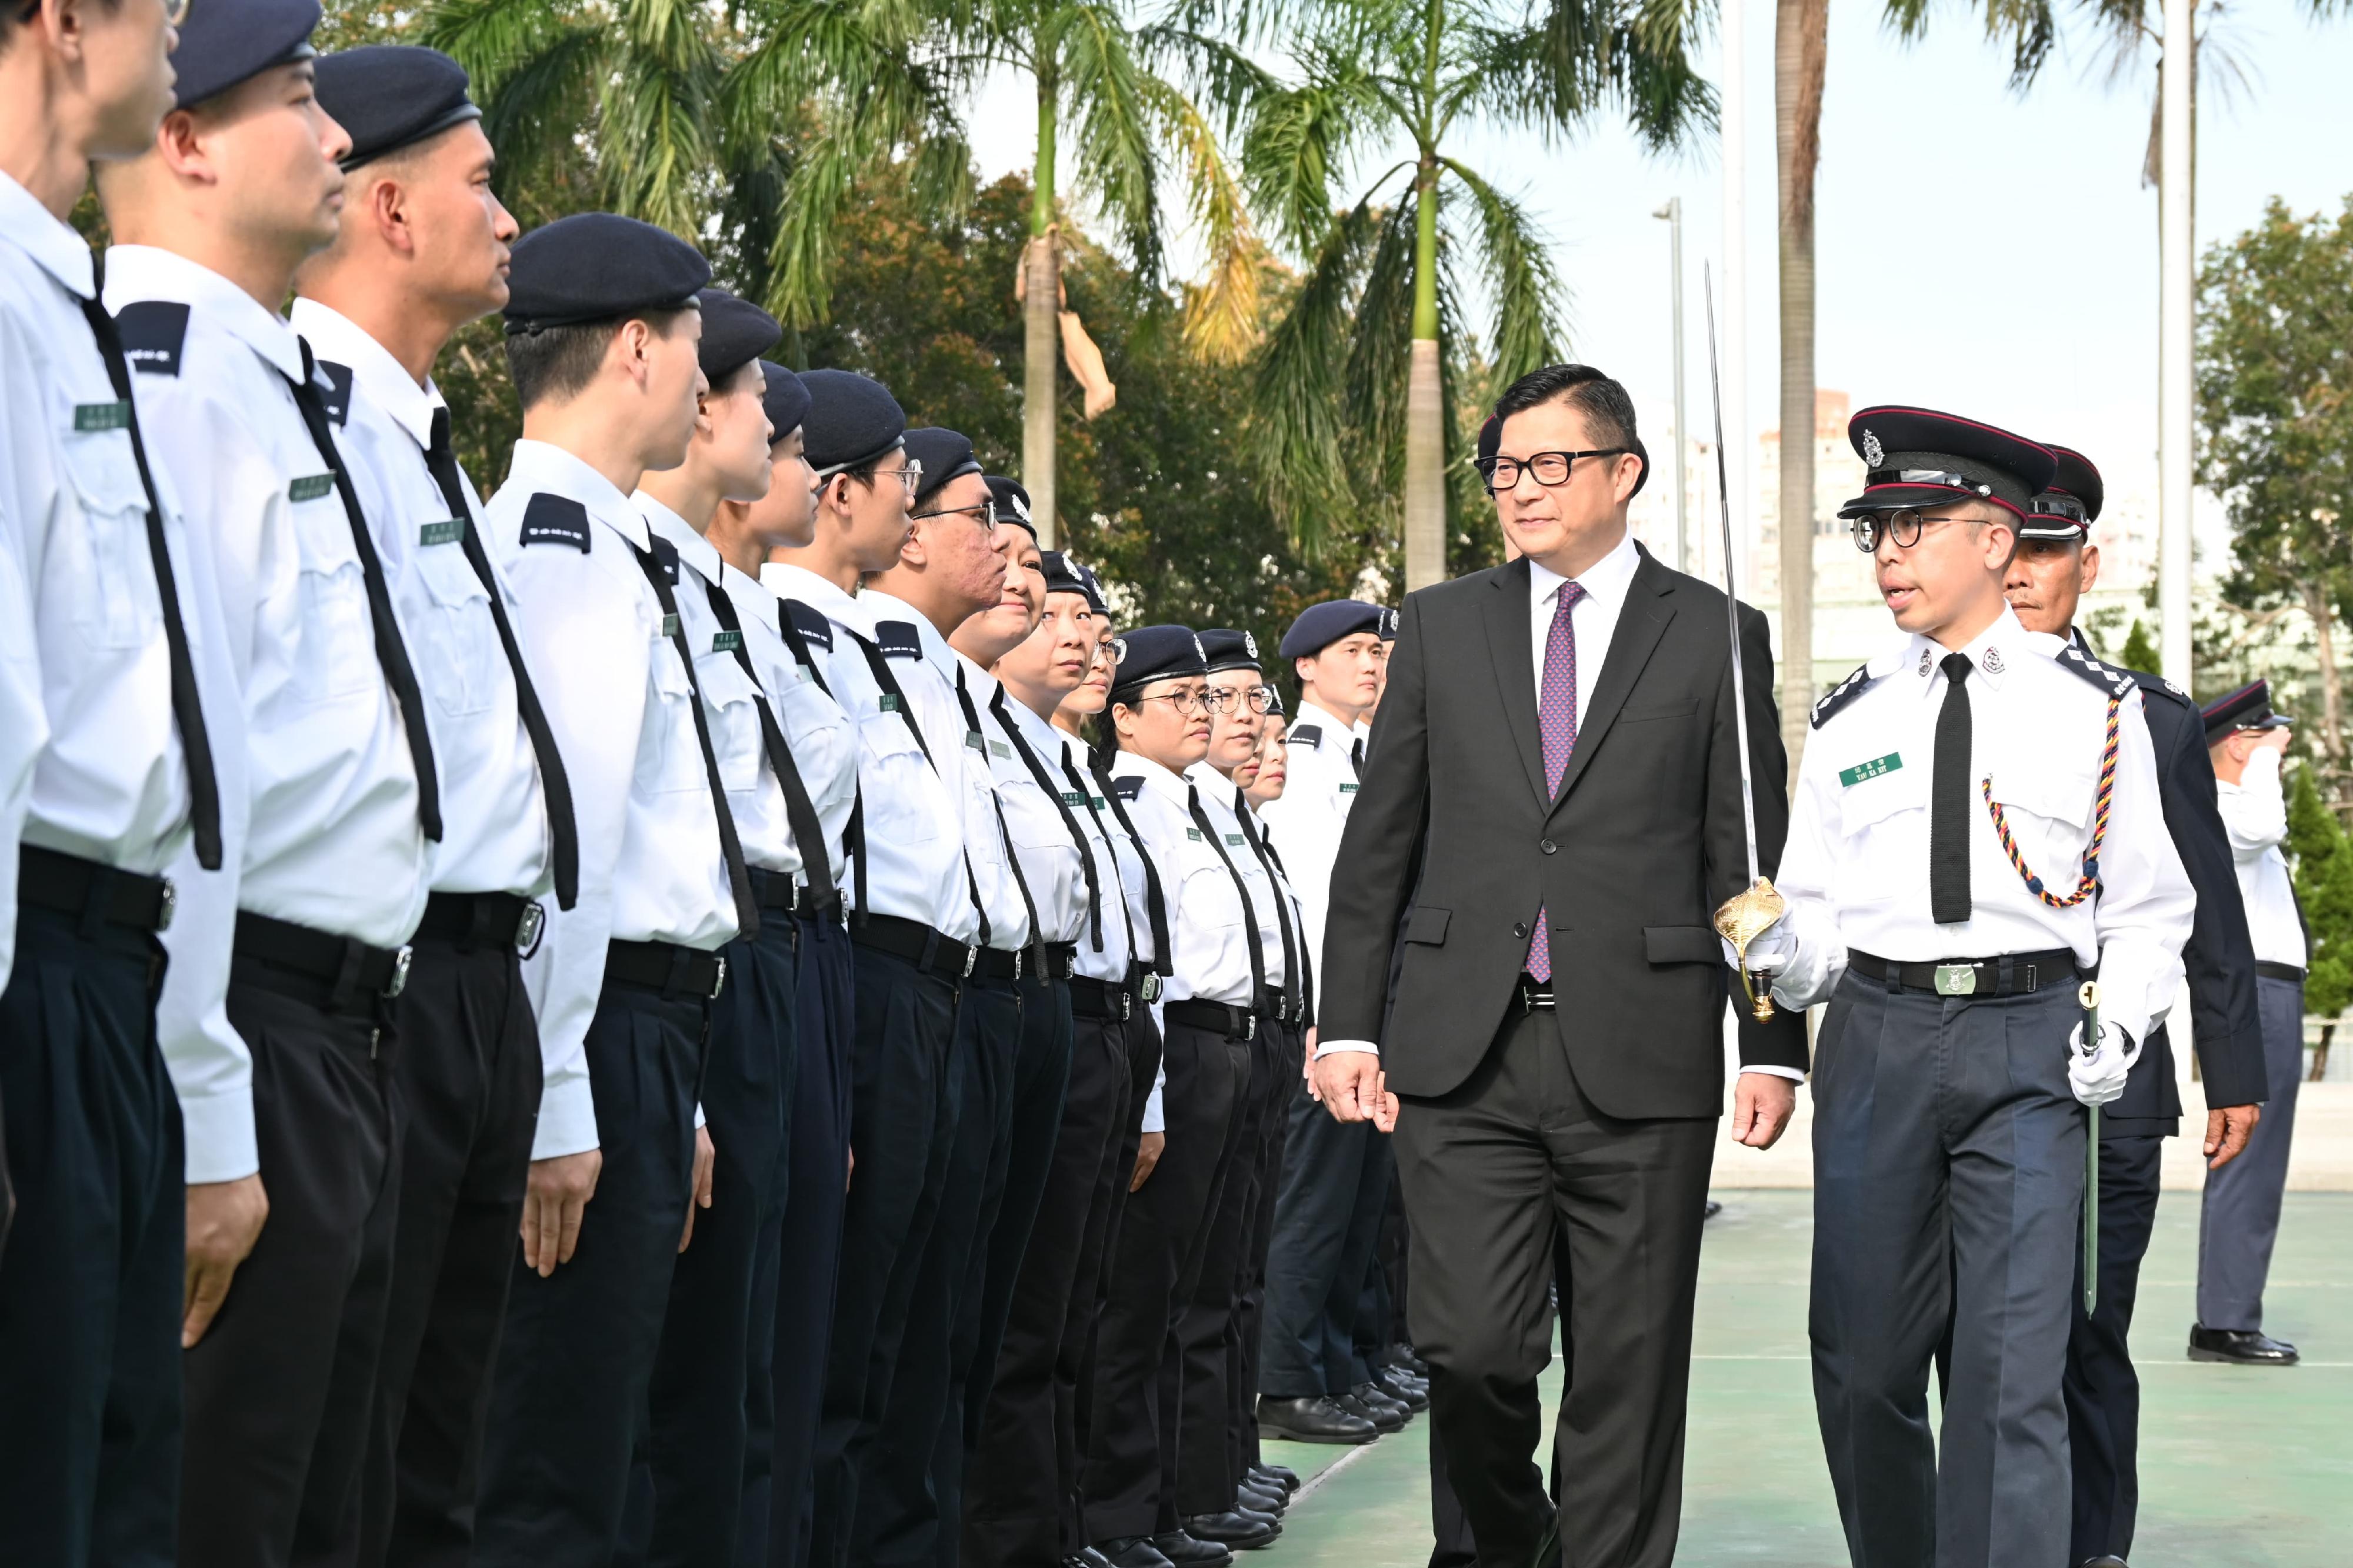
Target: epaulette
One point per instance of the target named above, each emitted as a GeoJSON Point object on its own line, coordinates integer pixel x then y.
{"type": "Point", "coordinates": [2115, 682]}
{"type": "Point", "coordinates": [1308, 735]}
{"type": "Point", "coordinates": [810, 622]}
{"type": "Point", "coordinates": [665, 554]}
{"type": "Point", "coordinates": [1129, 788]}
{"type": "Point", "coordinates": [555, 519]}
{"type": "Point", "coordinates": [335, 390]}
{"type": "Point", "coordinates": [2158, 686]}
{"type": "Point", "coordinates": [1839, 696]}
{"type": "Point", "coordinates": [897, 639]}
{"type": "Point", "coordinates": [152, 331]}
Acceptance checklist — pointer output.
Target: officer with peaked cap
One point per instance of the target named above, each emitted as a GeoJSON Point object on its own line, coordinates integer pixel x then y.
{"type": "Point", "coordinates": [602, 324]}
{"type": "Point", "coordinates": [468, 1066]}
{"type": "Point", "coordinates": [123, 670]}
{"type": "Point", "coordinates": [341, 801]}
{"type": "Point", "coordinates": [1978, 827]}
{"type": "Point", "coordinates": [2239, 1219]}
{"type": "Point", "coordinates": [2055, 564]}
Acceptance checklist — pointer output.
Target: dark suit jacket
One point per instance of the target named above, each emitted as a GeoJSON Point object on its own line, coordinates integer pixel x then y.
{"type": "Point", "coordinates": [2219, 956]}
{"type": "Point", "coordinates": [1631, 858]}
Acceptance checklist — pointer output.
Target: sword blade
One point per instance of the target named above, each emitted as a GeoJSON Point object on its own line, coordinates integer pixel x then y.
{"type": "Point", "coordinates": [1731, 603]}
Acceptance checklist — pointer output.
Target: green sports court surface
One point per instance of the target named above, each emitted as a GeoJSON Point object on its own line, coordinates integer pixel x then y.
{"type": "Point", "coordinates": [2239, 1467]}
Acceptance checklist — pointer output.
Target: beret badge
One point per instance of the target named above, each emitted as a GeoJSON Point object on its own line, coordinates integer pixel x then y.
{"type": "Point", "coordinates": [1874, 454]}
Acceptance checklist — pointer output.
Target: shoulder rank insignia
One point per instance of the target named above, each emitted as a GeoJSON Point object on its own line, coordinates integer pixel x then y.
{"type": "Point", "coordinates": [555, 519]}
{"type": "Point", "coordinates": [810, 622]}
{"type": "Point", "coordinates": [1128, 787]}
{"type": "Point", "coordinates": [1308, 735]}
{"type": "Point", "coordinates": [897, 639]}
{"type": "Point", "coordinates": [152, 333]}
{"type": "Point", "coordinates": [1839, 696]}
{"type": "Point", "coordinates": [666, 553]}
{"type": "Point", "coordinates": [335, 390]}
{"type": "Point", "coordinates": [2106, 677]}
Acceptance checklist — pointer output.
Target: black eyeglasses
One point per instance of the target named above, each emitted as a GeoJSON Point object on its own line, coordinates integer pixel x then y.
{"type": "Point", "coordinates": [1904, 527]}
{"type": "Point", "coordinates": [1217, 701]}
{"type": "Point", "coordinates": [1262, 698]}
{"type": "Point", "coordinates": [1551, 468]}
{"type": "Point", "coordinates": [984, 514]}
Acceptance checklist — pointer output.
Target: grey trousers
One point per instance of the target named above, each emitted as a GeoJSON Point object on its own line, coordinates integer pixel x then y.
{"type": "Point", "coordinates": [1948, 1185]}
{"type": "Point", "coordinates": [2240, 1218]}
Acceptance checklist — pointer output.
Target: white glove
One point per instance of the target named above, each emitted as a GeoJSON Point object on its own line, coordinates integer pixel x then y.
{"type": "Point", "coordinates": [1769, 954]}
{"type": "Point", "coordinates": [2099, 1076]}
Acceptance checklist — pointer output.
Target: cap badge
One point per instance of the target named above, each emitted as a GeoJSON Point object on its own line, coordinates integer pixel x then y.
{"type": "Point", "coordinates": [1874, 454]}
{"type": "Point", "coordinates": [1020, 508]}
{"type": "Point", "coordinates": [1119, 650]}
{"type": "Point", "coordinates": [1993, 663]}
{"type": "Point", "coordinates": [1923, 661]}
{"type": "Point", "coordinates": [1249, 645]}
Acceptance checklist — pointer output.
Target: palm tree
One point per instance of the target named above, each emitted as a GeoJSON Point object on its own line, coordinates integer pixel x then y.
{"type": "Point", "coordinates": [1800, 47]}
{"type": "Point", "coordinates": [1359, 375]}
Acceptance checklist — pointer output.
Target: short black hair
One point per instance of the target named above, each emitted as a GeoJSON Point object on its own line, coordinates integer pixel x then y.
{"type": "Point", "coordinates": [1608, 412]}
{"type": "Point", "coordinates": [553, 364]}
{"type": "Point", "coordinates": [14, 15]}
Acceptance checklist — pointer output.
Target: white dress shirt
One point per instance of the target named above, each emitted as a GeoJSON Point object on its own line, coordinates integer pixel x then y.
{"type": "Point", "coordinates": [1218, 803]}
{"type": "Point", "coordinates": [2255, 813]}
{"type": "Point", "coordinates": [1211, 961]}
{"type": "Point", "coordinates": [1311, 812]}
{"type": "Point", "coordinates": [1855, 870]}
{"type": "Point", "coordinates": [823, 740]}
{"type": "Point", "coordinates": [621, 704]}
{"type": "Point", "coordinates": [494, 828]}
{"type": "Point", "coordinates": [1119, 867]}
{"type": "Point", "coordinates": [1594, 618]}
{"type": "Point", "coordinates": [1052, 862]}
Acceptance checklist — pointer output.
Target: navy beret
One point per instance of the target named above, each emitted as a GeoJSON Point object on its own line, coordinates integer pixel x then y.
{"type": "Point", "coordinates": [598, 267]}
{"type": "Point", "coordinates": [2067, 509]}
{"type": "Point", "coordinates": [785, 400]}
{"type": "Point", "coordinates": [1320, 625]}
{"type": "Point", "coordinates": [1224, 648]}
{"type": "Point", "coordinates": [735, 333]}
{"type": "Point", "coordinates": [1155, 653]}
{"type": "Point", "coordinates": [945, 454]}
{"type": "Point", "coordinates": [1091, 585]}
{"type": "Point", "coordinates": [852, 419]}
{"type": "Point", "coordinates": [1061, 577]}
{"type": "Point", "coordinates": [1919, 458]}
{"type": "Point", "coordinates": [226, 42]}
{"type": "Point", "coordinates": [1012, 503]}
{"type": "Point", "coordinates": [391, 96]}
{"type": "Point", "coordinates": [2248, 708]}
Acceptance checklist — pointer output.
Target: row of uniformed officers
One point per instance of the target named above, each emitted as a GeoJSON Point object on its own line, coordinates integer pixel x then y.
{"type": "Point", "coordinates": [690, 859]}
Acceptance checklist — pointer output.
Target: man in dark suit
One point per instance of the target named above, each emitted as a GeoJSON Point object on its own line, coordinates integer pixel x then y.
{"type": "Point", "coordinates": [1574, 825]}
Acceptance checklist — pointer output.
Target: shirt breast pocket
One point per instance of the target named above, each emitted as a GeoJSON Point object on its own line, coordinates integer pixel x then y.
{"type": "Point", "coordinates": [897, 801]}
{"type": "Point", "coordinates": [2047, 810]}
{"type": "Point", "coordinates": [1211, 899]}
{"type": "Point", "coordinates": [1883, 822]}
{"type": "Point", "coordinates": [338, 657]}
{"type": "Point", "coordinates": [734, 719]}
{"type": "Point", "coordinates": [673, 760]}
{"type": "Point", "coordinates": [114, 572]}
{"type": "Point", "coordinates": [460, 641]}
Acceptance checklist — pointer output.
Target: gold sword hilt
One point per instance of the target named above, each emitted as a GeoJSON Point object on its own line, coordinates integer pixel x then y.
{"type": "Point", "coordinates": [1741, 919]}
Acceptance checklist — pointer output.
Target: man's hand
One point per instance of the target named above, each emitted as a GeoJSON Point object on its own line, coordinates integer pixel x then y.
{"type": "Point", "coordinates": [2227, 1127]}
{"type": "Point", "coordinates": [1384, 1105]}
{"type": "Point", "coordinates": [705, 1156]}
{"type": "Point", "coordinates": [552, 1201]}
{"type": "Point", "coordinates": [851, 1174]}
{"type": "Point", "coordinates": [224, 1219]}
{"type": "Point", "coordinates": [1147, 1155]}
{"type": "Point", "coordinates": [1307, 1064]}
{"type": "Point", "coordinates": [1349, 1084]}
{"type": "Point", "coordinates": [1762, 1104]}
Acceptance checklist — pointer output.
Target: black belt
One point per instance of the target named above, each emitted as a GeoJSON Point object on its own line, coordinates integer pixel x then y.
{"type": "Point", "coordinates": [1091, 998]}
{"type": "Point", "coordinates": [97, 893]}
{"type": "Point", "coordinates": [1062, 959]}
{"type": "Point", "coordinates": [932, 951]}
{"type": "Point", "coordinates": [996, 964]}
{"type": "Point", "coordinates": [483, 918]}
{"type": "Point", "coordinates": [2010, 975]}
{"type": "Point", "coordinates": [2270, 970]}
{"type": "Point", "coordinates": [342, 969]}
{"type": "Point", "coordinates": [1218, 1018]}
{"type": "Point", "coordinates": [666, 967]}
{"type": "Point", "coordinates": [1277, 1006]}
{"type": "Point", "coordinates": [809, 904]}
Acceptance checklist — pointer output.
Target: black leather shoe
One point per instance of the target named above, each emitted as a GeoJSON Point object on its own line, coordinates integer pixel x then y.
{"type": "Point", "coordinates": [1283, 1475]}
{"type": "Point", "coordinates": [1404, 1387]}
{"type": "Point", "coordinates": [1130, 1552]}
{"type": "Point", "coordinates": [1401, 1354]}
{"type": "Point", "coordinates": [1374, 1395]}
{"type": "Point", "coordinates": [1188, 1551]}
{"type": "Point", "coordinates": [1089, 1557]}
{"type": "Point", "coordinates": [2242, 1347]}
{"type": "Point", "coordinates": [2110, 1560]}
{"type": "Point", "coordinates": [1259, 1497]}
{"type": "Point", "coordinates": [1713, 1209]}
{"type": "Point", "coordinates": [1316, 1419]}
{"type": "Point", "coordinates": [1384, 1417]}
{"type": "Point", "coordinates": [1233, 1529]}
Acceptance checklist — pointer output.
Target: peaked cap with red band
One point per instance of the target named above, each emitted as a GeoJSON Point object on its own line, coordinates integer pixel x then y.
{"type": "Point", "coordinates": [2067, 510]}
{"type": "Point", "coordinates": [1919, 458]}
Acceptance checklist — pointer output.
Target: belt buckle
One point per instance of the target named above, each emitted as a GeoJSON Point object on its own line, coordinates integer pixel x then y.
{"type": "Point", "coordinates": [527, 928]}
{"type": "Point", "coordinates": [1956, 979]}
{"type": "Point", "coordinates": [719, 980]}
{"type": "Point", "coordinates": [1150, 989]}
{"type": "Point", "coordinates": [168, 901]}
{"type": "Point", "coordinates": [971, 957]}
{"type": "Point", "coordinates": [399, 980]}
{"type": "Point", "coordinates": [1126, 1005]}
{"type": "Point", "coordinates": [1018, 953]}
{"type": "Point", "coordinates": [1250, 1025]}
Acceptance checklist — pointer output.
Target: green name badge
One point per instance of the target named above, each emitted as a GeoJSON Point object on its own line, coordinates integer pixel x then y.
{"type": "Point", "coordinates": [1072, 797]}
{"type": "Point", "coordinates": [1235, 839]}
{"type": "Point", "coordinates": [726, 642]}
{"type": "Point", "coordinates": [310, 487]}
{"type": "Point", "coordinates": [1854, 775]}
{"type": "Point", "coordinates": [1194, 834]}
{"type": "Point", "coordinates": [1348, 789]}
{"type": "Point", "coordinates": [1000, 751]}
{"type": "Point", "coordinates": [669, 626]}
{"type": "Point", "coordinates": [94, 416]}
{"type": "Point", "coordinates": [1099, 802]}
{"type": "Point", "coordinates": [972, 740]}
{"type": "Point", "coordinates": [447, 532]}
{"type": "Point", "coordinates": [890, 702]}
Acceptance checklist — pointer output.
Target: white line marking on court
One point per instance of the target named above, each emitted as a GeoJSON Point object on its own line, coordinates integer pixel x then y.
{"type": "Point", "coordinates": [1307, 1488]}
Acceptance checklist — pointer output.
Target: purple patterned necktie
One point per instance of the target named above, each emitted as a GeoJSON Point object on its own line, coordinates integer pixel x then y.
{"type": "Point", "coordinates": [1557, 718]}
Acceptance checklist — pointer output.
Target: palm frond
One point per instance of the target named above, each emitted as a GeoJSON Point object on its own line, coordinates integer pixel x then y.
{"type": "Point", "coordinates": [1221, 316]}
{"type": "Point", "coordinates": [1578, 57]}
{"type": "Point", "coordinates": [1114, 134]}
{"type": "Point", "coordinates": [1298, 143]}
{"type": "Point", "coordinates": [1515, 262]}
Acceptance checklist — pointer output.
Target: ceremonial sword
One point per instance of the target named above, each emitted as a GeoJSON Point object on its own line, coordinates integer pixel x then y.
{"type": "Point", "coordinates": [2087, 997]}
{"type": "Point", "coordinates": [1749, 913]}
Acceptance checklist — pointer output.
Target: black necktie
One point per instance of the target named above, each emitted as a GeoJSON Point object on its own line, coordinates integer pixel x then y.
{"type": "Point", "coordinates": [1307, 959]}
{"type": "Point", "coordinates": [1079, 783]}
{"type": "Point", "coordinates": [731, 848]}
{"type": "Point", "coordinates": [391, 652]}
{"type": "Point", "coordinates": [880, 668]}
{"type": "Point", "coordinates": [1156, 903]}
{"type": "Point", "coordinates": [554, 783]}
{"type": "Point", "coordinates": [1948, 800]}
{"type": "Point", "coordinates": [1070, 822]}
{"type": "Point", "coordinates": [800, 814]}
{"type": "Point", "coordinates": [853, 836]}
{"type": "Point", "coordinates": [1241, 890]}
{"type": "Point", "coordinates": [974, 738]}
{"type": "Point", "coordinates": [187, 712]}
{"type": "Point", "coordinates": [1291, 976]}
{"type": "Point", "coordinates": [1356, 756]}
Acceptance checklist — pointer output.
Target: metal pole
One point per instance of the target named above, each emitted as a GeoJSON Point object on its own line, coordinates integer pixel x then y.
{"type": "Point", "coordinates": [2177, 154]}
{"type": "Point", "coordinates": [1734, 391]}
{"type": "Point", "coordinates": [1673, 213]}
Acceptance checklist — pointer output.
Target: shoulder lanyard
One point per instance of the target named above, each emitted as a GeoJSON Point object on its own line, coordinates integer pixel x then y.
{"type": "Point", "coordinates": [1155, 902]}
{"type": "Point", "coordinates": [1291, 977]}
{"type": "Point", "coordinates": [1021, 883]}
{"type": "Point", "coordinates": [799, 813]}
{"type": "Point", "coordinates": [1241, 890]}
{"type": "Point", "coordinates": [891, 688]}
{"type": "Point", "coordinates": [1070, 822]}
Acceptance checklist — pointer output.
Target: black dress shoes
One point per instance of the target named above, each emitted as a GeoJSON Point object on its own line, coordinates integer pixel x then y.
{"type": "Point", "coordinates": [1384, 1416]}
{"type": "Point", "coordinates": [1281, 1476]}
{"type": "Point", "coordinates": [1374, 1395]}
{"type": "Point", "coordinates": [1187, 1550]}
{"type": "Point", "coordinates": [1713, 1209]}
{"type": "Point", "coordinates": [1261, 1497]}
{"type": "Point", "coordinates": [1401, 1354]}
{"type": "Point", "coordinates": [2110, 1560]}
{"type": "Point", "coordinates": [1316, 1419]}
{"type": "Point", "coordinates": [1089, 1557]}
{"type": "Point", "coordinates": [1236, 1531]}
{"type": "Point", "coordinates": [1130, 1552]}
{"type": "Point", "coordinates": [2242, 1347]}
{"type": "Point", "coordinates": [1404, 1387]}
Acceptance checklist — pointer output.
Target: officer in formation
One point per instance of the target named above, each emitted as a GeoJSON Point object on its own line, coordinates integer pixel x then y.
{"type": "Point", "coordinates": [1978, 826]}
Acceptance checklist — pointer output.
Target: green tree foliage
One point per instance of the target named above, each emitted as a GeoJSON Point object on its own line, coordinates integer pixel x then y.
{"type": "Point", "coordinates": [2140, 650]}
{"type": "Point", "coordinates": [2322, 854]}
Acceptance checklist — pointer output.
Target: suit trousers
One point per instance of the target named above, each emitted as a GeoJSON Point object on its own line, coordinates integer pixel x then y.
{"type": "Point", "coordinates": [2238, 1219]}
{"type": "Point", "coordinates": [1131, 1465]}
{"type": "Point", "coordinates": [1022, 1461]}
{"type": "Point", "coordinates": [568, 1396]}
{"type": "Point", "coordinates": [904, 1092]}
{"type": "Point", "coordinates": [1948, 1185]}
{"type": "Point", "coordinates": [467, 1081]}
{"type": "Point", "coordinates": [1498, 1176]}
{"type": "Point", "coordinates": [280, 1388]}
{"type": "Point", "coordinates": [1287, 1048]}
{"type": "Point", "coordinates": [899, 1520]}
{"type": "Point", "coordinates": [1075, 1402]}
{"type": "Point", "coordinates": [1451, 1542]}
{"type": "Point", "coordinates": [2102, 1390]}
{"type": "Point", "coordinates": [776, 1494]}
{"type": "Point", "coordinates": [90, 1286]}
{"type": "Point", "coordinates": [1315, 1265]}
{"type": "Point", "coordinates": [688, 1483]}
{"type": "Point", "coordinates": [1208, 1333]}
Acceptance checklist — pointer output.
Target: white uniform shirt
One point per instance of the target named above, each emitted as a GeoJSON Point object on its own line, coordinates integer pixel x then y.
{"type": "Point", "coordinates": [1295, 911]}
{"type": "Point", "coordinates": [2255, 813]}
{"type": "Point", "coordinates": [619, 701]}
{"type": "Point", "coordinates": [1205, 908]}
{"type": "Point", "coordinates": [988, 836]}
{"type": "Point", "coordinates": [1119, 866]}
{"type": "Point", "coordinates": [1052, 861]}
{"type": "Point", "coordinates": [824, 743]}
{"type": "Point", "coordinates": [1218, 802]}
{"type": "Point", "coordinates": [1855, 870]}
{"type": "Point", "coordinates": [730, 698]}
{"type": "Point", "coordinates": [494, 829]}
{"type": "Point", "coordinates": [914, 819]}
{"type": "Point", "coordinates": [1312, 811]}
